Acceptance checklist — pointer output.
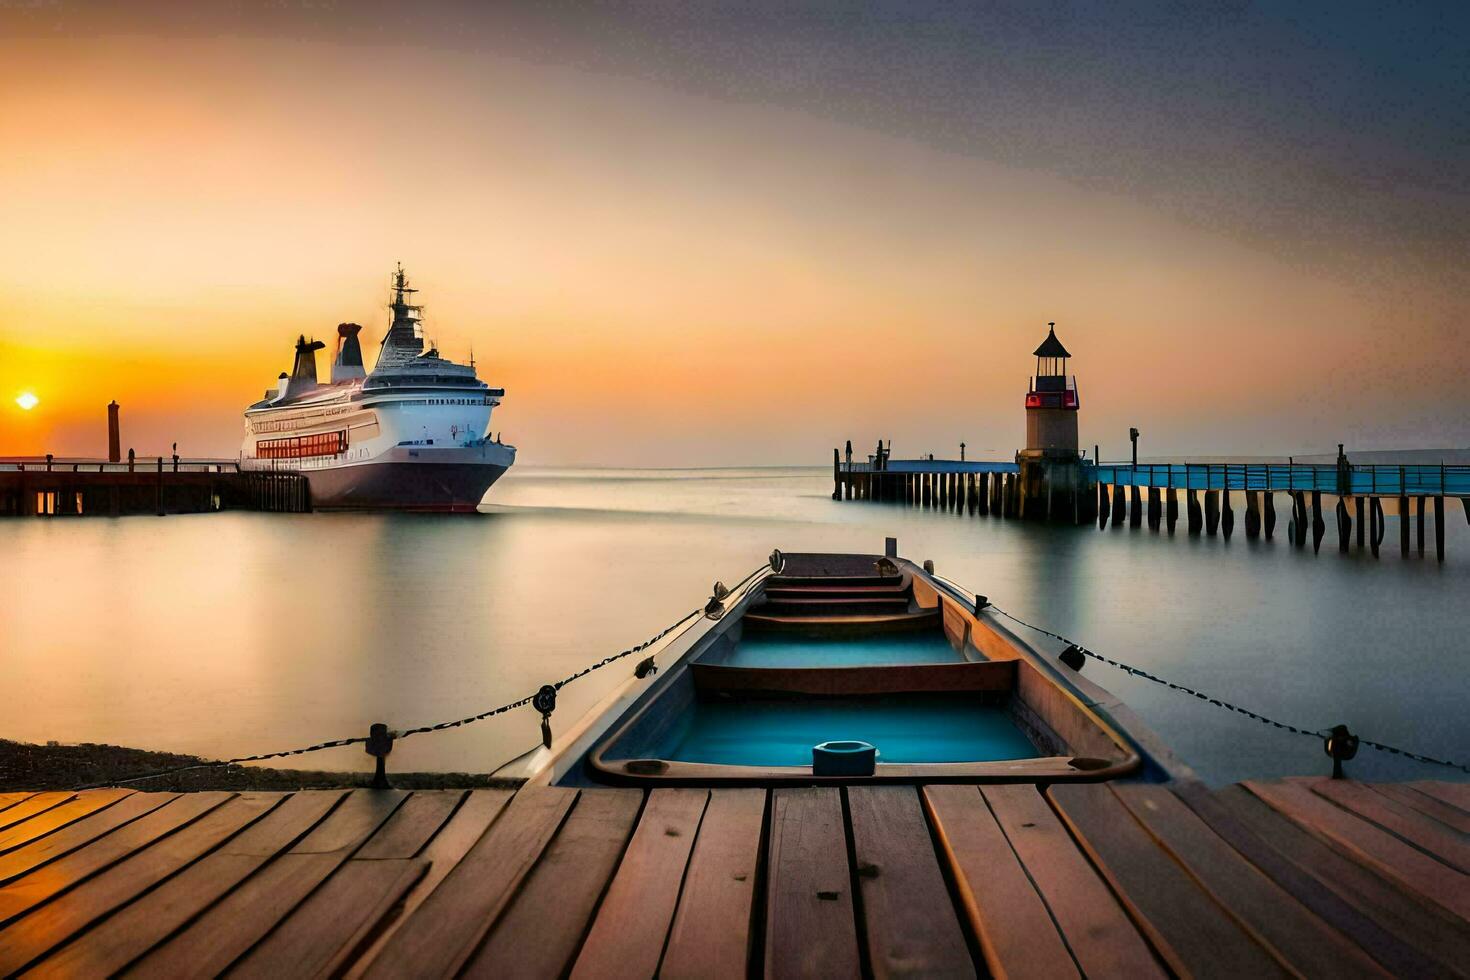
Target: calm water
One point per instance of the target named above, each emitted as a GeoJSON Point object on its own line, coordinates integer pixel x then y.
{"type": "Point", "coordinates": [236, 633]}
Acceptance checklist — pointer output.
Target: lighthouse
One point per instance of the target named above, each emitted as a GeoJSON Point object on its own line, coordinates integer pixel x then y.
{"type": "Point", "coordinates": [1054, 483]}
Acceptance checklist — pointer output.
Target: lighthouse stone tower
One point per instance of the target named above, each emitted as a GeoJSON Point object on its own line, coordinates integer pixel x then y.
{"type": "Point", "coordinates": [1054, 482]}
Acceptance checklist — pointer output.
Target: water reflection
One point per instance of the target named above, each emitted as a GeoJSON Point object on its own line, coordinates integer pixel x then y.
{"type": "Point", "coordinates": [231, 633]}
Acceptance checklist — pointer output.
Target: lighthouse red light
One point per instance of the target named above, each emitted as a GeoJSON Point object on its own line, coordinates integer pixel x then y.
{"type": "Point", "coordinates": [1033, 400]}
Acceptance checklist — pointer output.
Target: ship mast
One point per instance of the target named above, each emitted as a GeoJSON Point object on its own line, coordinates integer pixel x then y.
{"type": "Point", "coordinates": [403, 340]}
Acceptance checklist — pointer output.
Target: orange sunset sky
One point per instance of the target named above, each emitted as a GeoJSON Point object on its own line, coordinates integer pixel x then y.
{"type": "Point", "coordinates": [679, 235]}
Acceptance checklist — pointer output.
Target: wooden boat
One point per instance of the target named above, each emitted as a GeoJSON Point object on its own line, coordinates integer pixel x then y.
{"type": "Point", "coordinates": [825, 662]}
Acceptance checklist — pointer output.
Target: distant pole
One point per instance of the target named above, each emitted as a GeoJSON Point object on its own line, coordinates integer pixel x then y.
{"type": "Point", "coordinates": [962, 452]}
{"type": "Point", "coordinates": [114, 436]}
{"type": "Point", "coordinates": [1133, 438]}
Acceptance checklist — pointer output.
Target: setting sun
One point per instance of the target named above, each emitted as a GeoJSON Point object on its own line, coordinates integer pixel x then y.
{"type": "Point", "coordinates": [28, 401]}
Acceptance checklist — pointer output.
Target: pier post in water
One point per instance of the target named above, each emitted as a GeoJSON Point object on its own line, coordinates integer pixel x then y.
{"type": "Point", "coordinates": [1404, 524]}
{"type": "Point", "coordinates": [1299, 519]}
{"type": "Point", "coordinates": [1154, 508]}
{"type": "Point", "coordinates": [1319, 526]}
{"type": "Point", "coordinates": [1344, 526]}
{"type": "Point", "coordinates": [1270, 524]}
{"type": "Point", "coordinates": [1212, 511]}
{"type": "Point", "coordinates": [1358, 504]}
{"type": "Point", "coordinates": [1439, 527]}
{"type": "Point", "coordinates": [1135, 506]}
{"type": "Point", "coordinates": [1376, 532]}
{"type": "Point", "coordinates": [1227, 514]}
{"type": "Point", "coordinates": [836, 474]}
{"type": "Point", "coordinates": [1252, 515]}
{"type": "Point", "coordinates": [1191, 503]}
{"type": "Point", "coordinates": [1119, 508]}
{"type": "Point", "coordinates": [1171, 508]}
{"type": "Point", "coordinates": [982, 494]}
{"type": "Point", "coordinates": [1419, 508]}
{"type": "Point", "coordinates": [1102, 505]}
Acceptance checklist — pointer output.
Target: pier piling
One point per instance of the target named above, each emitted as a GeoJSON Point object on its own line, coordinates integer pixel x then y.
{"type": "Point", "coordinates": [1154, 508]}
{"type": "Point", "coordinates": [1404, 525]}
{"type": "Point", "coordinates": [1319, 526]}
{"type": "Point", "coordinates": [1102, 506]}
{"type": "Point", "coordinates": [1344, 526]}
{"type": "Point", "coordinates": [1171, 508]}
{"type": "Point", "coordinates": [1119, 510]}
{"type": "Point", "coordinates": [1358, 504]}
{"type": "Point", "coordinates": [1419, 507]}
{"type": "Point", "coordinates": [1196, 519]}
{"type": "Point", "coordinates": [1439, 528]}
{"type": "Point", "coordinates": [1375, 533]}
{"type": "Point", "coordinates": [1270, 501]}
{"type": "Point", "coordinates": [1135, 507]}
{"type": "Point", "coordinates": [1212, 512]}
{"type": "Point", "coordinates": [1227, 514]}
{"type": "Point", "coordinates": [1252, 515]}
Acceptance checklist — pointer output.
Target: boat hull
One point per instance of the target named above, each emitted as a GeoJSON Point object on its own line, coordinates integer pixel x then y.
{"type": "Point", "coordinates": [427, 480]}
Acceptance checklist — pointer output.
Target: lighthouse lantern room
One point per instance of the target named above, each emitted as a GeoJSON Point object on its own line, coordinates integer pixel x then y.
{"type": "Point", "coordinates": [1051, 402]}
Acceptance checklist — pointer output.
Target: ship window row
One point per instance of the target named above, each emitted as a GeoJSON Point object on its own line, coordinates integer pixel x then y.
{"type": "Point", "coordinates": [444, 401]}
{"type": "Point", "coordinates": [300, 447]}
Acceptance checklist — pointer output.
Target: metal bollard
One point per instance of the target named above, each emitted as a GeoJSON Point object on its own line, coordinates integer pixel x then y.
{"type": "Point", "coordinates": [379, 744]}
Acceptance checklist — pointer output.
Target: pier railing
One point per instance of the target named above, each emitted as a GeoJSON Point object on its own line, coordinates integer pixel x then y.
{"type": "Point", "coordinates": [140, 464]}
{"type": "Point", "coordinates": [1353, 480]}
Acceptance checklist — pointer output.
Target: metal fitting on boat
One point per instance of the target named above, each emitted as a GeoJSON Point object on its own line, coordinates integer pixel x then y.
{"type": "Point", "coordinates": [719, 590]}
{"type": "Point", "coordinates": [645, 667]}
{"type": "Point", "coordinates": [545, 702]}
{"type": "Point", "coordinates": [981, 602]}
{"type": "Point", "coordinates": [884, 567]}
{"type": "Point", "coordinates": [1341, 745]}
{"type": "Point", "coordinates": [714, 609]}
{"type": "Point", "coordinates": [1073, 657]}
{"type": "Point", "coordinates": [777, 560]}
{"type": "Point", "coordinates": [929, 565]}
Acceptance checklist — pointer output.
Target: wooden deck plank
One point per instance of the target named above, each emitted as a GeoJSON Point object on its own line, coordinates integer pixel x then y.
{"type": "Point", "coordinates": [1102, 938]}
{"type": "Point", "coordinates": [137, 927]}
{"type": "Point", "coordinates": [322, 935]}
{"type": "Point", "coordinates": [1369, 845]}
{"type": "Point", "coordinates": [1193, 934]}
{"type": "Point", "coordinates": [711, 936]}
{"type": "Point", "coordinates": [810, 926]}
{"type": "Point", "coordinates": [1393, 952]}
{"type": "Point", "coordinates": [322, 932]}
{"type": "Point", "coordinates": [229, 928]}
{"type": "Point", "coordinates": [1402, 821]}
{"type": "Point", "coordinates": [1017, 935]}
{"type": "Point", "coordinates": [632, 925]}
{"type": "Point", "coordinates": [1401, 911]}
{"type": "Point", "coordinates": [444, 852]}
{"type": "Point", "coordinates": [8, 800]}
{"type": "Point", "coordinates": [1451, 816]}
{"type": "Point", "coordinates": [910, 923]}
{"type": "Point", "coordinates": [23, 895]}
{"type": "Point", "coordinates": [79, 834]}
{"type": "Point", "coordinates": [50, 925]}
{"type": "Point", "coordinates": [1455, 794]}
{"type": "Point", "coordinates": [39, 803]}
{"type": "Point", "coordinates": [1272, 916]}
{"type": "Point", "coordinates": [443, 932]}
{"type": "Point", "coordinates": [540, 933]}
{"type": "Point", "coordinates": [56, 818]}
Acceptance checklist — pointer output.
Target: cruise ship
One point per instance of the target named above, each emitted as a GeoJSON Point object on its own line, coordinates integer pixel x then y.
{"type": "Point", "coordinates": [412, 434]}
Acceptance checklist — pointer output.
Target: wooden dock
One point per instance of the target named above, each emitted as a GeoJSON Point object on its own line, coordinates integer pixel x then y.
{"type": "Point", "coordinates": [1306, 877]}
{"type": "Point", "coordinates": [74, 487]}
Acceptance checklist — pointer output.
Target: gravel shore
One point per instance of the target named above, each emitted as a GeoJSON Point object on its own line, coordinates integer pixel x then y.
{"type": "Point", "coordinates": [27, 766]}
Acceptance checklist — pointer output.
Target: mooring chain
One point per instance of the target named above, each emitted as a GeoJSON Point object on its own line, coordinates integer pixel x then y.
{"type": "Point", "coordinates": [545, 703]}
{"type": "Point", "coordinates": [1323, 733]}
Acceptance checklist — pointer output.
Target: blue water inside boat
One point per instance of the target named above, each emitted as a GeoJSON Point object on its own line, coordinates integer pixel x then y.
{"type": "Point", "coordinates": [777, 650]}
{"type": "Point", "coordinates": [914, 728]}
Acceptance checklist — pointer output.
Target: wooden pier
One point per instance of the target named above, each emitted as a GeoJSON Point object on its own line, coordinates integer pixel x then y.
{"type": "Point", "coordinates": [1352, 499]}
{"type": "Point", "coordinates": [57, 487]}
{"type": "Point", "coordinates": [1306, 877]}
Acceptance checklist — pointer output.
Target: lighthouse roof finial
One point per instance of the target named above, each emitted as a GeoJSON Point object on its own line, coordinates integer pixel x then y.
{"type": "Point", "coordinates": [1051, 346]}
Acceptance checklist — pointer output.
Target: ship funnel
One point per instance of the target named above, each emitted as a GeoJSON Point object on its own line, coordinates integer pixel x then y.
{"type": "Point", "coordinates": [347, 365]}
{"type": "Point", "coordinates": [305, 367]}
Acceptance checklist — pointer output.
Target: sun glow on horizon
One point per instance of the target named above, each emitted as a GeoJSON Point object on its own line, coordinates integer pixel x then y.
{"type": "Point", "coordinates": [27, 401]}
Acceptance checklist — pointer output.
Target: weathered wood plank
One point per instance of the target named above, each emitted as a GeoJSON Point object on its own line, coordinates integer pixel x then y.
{"type": "Point", "coordinates": [238, 921]}
{"type": "Point", "coordinates": [1367, 844]}
{"type": "Point", "coordinates": [1402, 821]}
{"type": "Point", "coordinates": [1455, 794]}
{"type": "Point", "coordinates": [1451, 816]}
{"type": "Point", "coordinates": [1395, 953]}
{"type": "Point", "coordinates": [1017, 935]}
{"type": "Point", "coordinates": [1193, 934]}
{"type": "Point", "coordinates": [443, 853]}
{"type": "Point", "coordinates": [810, 926]}
{"type": "Point", "coordinates": [136, 928]}
{"type": "Point", "coordinates": [55, 818]}
{"type": "Point", "coordinates": [628, 934]}
{"type": "Point", "coordinates": [21, 896]}
{"type": "Point", "coordinates": [1401, 912]}
{"type": "Point", "coordinates": [327, 928]}
{"type": "Point", "coordinates": [444, 931]}
{"type": "Point", "coordinates": [47, 927]}
{"type": "Point", "coordinates": [8, 800]}
{"type": "Point", "coordinates": [712, 929]}
{"type": "Point", "coordinates": [1272, 916]}
{"type": "Point", "coordinates": [911, 926]}
{"type": "Point", "coordinates": [541, 932]}
{"type": "Point", "coordinates": [79, 834]}
{"type": "Point", "coordinates": [1103, 940]}
{"type": "Point", "coordinates": [39, 803]}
